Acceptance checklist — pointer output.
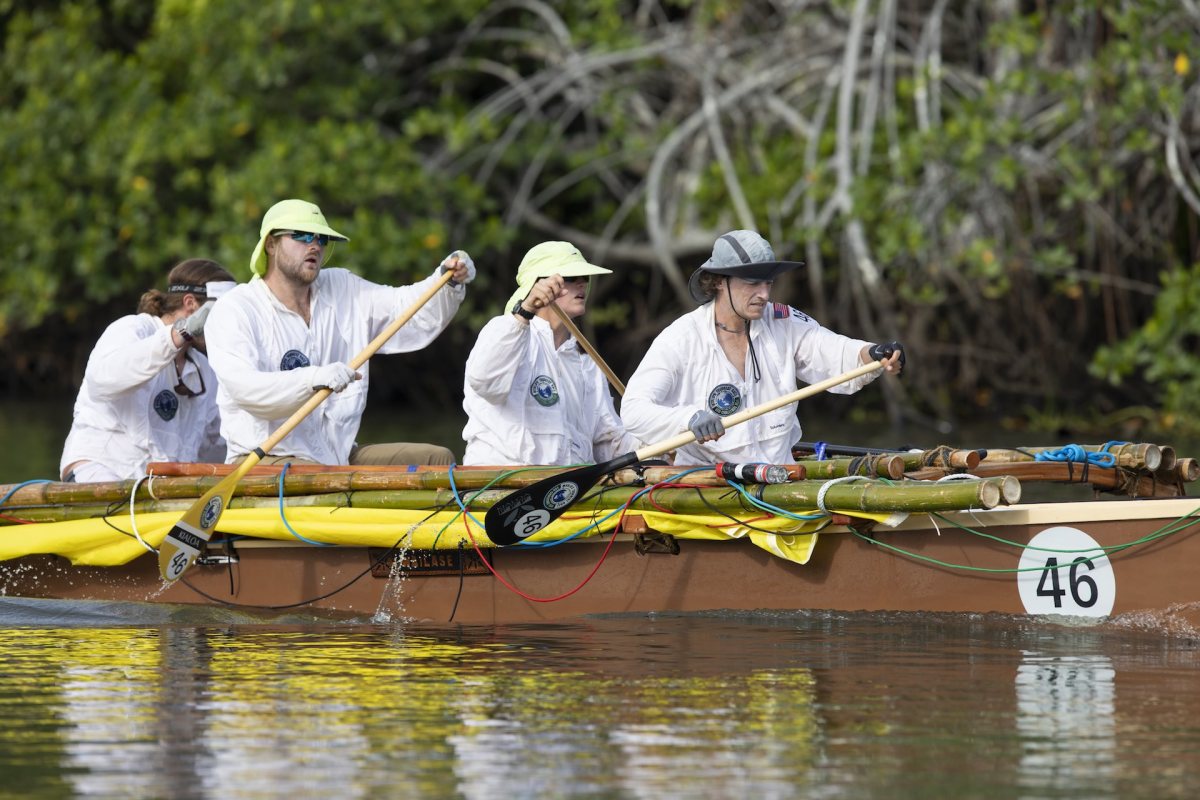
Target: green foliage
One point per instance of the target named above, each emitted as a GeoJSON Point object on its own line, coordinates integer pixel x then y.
{"type": "Point", "coordinates": [132, 137]}
{"type": "Point", "coordinates": [1008, 188]}
{"type": "Point", "coordinates": [1165, 352]}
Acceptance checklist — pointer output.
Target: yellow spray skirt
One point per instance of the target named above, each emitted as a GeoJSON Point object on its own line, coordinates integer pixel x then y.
{"type": "Point", "coordinates": [110, 541]}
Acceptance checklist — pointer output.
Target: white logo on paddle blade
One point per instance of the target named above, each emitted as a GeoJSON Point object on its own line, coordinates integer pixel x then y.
{"type": "Point", "coordinates": [211, 512]}
{"type": "Point", "coordinates": [179, 562]}
{"type": "Point", "coordinates": [561, 495]}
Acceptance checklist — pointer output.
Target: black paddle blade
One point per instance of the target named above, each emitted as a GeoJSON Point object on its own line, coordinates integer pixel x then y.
{"type": "Point", "coordinates": [526, 511]}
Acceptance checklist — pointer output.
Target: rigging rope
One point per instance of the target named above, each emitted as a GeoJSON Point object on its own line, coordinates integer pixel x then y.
{"type": "Point", "coordinates": [1175, 526]}
{"type": "Point", "coordinates": [1075, 453]}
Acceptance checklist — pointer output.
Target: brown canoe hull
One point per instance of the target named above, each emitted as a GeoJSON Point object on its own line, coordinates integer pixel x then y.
{"type": "Point", "coordinates": [846, 572]}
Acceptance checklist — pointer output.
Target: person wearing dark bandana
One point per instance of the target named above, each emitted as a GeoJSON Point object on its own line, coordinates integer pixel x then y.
{"type": "Point", "coordinates": [736, 351]}
{"type": "Point", "coordinates": [148, 393]}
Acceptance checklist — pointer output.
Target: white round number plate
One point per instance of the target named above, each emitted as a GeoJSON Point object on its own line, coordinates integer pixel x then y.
{"type": "Point", "coordinates": [1078, 580]}
{"type": "Point", "coordinates": [531, 523]}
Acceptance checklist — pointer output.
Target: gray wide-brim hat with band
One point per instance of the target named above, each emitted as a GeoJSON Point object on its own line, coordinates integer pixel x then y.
{"type": "Point", "coordinates": [740, 254]}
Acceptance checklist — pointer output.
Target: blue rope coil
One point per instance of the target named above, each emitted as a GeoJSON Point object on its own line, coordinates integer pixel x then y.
{"type": "Point", "coordinates": [283, 514]}
{"type": "Point", "coordinates": [1075, 453]}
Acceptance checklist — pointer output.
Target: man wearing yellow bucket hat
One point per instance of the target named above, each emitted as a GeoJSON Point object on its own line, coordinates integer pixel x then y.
{"type": "Point", "coordinates": [294, 328]}
{"type": "Point", "coordinates": [532, 396]}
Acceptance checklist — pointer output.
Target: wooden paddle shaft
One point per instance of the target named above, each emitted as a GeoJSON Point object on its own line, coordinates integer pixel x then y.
{"type": "Point", "coordinates": [363, 357]}
{"type": "Point", "coordinates": [591, 351]}
{"type": "Point", "coordinates": [183, 542]}
{"type": "Point", "coordinates": [674, 443]}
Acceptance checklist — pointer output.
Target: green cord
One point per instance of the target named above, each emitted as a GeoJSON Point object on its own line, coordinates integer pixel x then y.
{"type": "Point", "coordinates": [1170, 528]}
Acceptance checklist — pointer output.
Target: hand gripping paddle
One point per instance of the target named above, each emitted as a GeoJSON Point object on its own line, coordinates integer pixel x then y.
{"type": "Point", "coordinates": [526, 511]}
{"type": "Point", "coordinates": [183, 543]}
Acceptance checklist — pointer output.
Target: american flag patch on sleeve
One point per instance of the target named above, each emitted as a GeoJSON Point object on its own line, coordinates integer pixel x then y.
{"type": "Point", "coordinates": [783, 311]}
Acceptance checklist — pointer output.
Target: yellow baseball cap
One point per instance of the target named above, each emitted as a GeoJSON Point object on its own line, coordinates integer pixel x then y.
{"type": "Point", "coordinates": [550, 258]}
{"type": "Point", "coordinates": [292, 215]}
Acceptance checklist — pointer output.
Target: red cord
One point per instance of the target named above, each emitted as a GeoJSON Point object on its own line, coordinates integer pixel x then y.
{"type": "Point", "coordinates": [607, 548]}
{"type": "Point", "coordinates": [515, 590]}
{"type": "Point", "coordinates": [17, 520]}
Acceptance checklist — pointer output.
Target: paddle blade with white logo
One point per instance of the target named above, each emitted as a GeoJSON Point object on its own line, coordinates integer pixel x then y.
{"type": "Point", "coordinates": [187, 538]}
{"type": "Point", "coordinates": [526, 511]}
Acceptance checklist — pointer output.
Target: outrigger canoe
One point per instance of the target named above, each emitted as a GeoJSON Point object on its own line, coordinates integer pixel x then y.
{"type": "Point", "coordinates": [939, 531]}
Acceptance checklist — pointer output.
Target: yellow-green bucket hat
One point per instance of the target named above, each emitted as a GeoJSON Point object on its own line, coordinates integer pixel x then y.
{"type": "Point", "coordinates": [550, 258]}
{"type": "Point", "coordinates": [291, 215]}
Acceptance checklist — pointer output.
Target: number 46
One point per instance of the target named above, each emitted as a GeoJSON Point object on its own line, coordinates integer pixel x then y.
{"type": "Point", "coordinates": [1074, 580]}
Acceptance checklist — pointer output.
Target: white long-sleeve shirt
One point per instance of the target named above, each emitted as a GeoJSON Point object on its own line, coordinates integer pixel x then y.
{"type": "Point", "coordinates": [265, 356]}
{"type": "Point", "coordinates": [128, 414]}
{"type": "Point", "coordinates": [685, 370]}
{"type": "Point", "coordinates": [528, 402]}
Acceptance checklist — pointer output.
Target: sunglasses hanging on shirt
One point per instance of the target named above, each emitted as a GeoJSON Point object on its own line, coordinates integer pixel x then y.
{"type": "Point", "coordinates": [181, 388]}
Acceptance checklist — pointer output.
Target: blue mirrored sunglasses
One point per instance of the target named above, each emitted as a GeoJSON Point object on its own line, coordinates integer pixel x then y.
{"type": "Point", "coordinates": [305, 236]}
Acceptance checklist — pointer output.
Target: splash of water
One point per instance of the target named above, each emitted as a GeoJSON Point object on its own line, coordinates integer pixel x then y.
{"type": "Point", "coordinates": [1177, 621]}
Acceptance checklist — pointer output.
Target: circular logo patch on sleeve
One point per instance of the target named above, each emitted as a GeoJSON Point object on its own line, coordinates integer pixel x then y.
{"type": "Point", "coordinates": [166, 404]}
{"type": "Point", "coordinates": [293, 359]}
{"type": "Point", "coordinates": [724, 400]}
{"type": "Point", "coordinates": [543, 390]}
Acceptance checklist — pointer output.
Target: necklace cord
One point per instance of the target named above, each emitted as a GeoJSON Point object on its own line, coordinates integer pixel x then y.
{"type": "Point", "coordinates": [755, 370]}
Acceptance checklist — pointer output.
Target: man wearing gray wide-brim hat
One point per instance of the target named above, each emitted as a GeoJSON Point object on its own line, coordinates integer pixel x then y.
{"type": "Point", "coordinates": [295, 328]}
{"type": "Point", "coordinates": [736, 351]}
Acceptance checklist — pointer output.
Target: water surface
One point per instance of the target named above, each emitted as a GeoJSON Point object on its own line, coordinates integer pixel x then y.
{"type": "Point", "coordinates": [153, 701]}
{"type": "Point", "coordinates": [132, 700]}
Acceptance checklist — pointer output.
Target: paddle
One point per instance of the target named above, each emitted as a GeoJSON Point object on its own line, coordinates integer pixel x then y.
{"type": "Point", "coordinates": [526, 511]}
{"type": "Point", "coordinates": [182, 544]}
{"type": "Point", "coordinates": [591, 351]}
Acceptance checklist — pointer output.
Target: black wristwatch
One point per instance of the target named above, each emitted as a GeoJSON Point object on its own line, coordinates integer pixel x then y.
{"type": "Point", "coordinates": [183, 334]}
{"type": "Point", "coordinates": [521, 311]}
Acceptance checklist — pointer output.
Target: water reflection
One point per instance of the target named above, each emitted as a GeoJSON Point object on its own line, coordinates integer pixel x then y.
{"type": "Point", "coordinates": [110, 695]}
{"type": "Point", "coordinates": [646, 736]}
{"type": "Point", "coordinates": [1066, 717]}
{"type": "Point", "coordinates": [721, 705]}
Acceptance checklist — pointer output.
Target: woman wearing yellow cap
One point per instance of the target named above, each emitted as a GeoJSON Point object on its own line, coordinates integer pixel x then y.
{"type": "Point", "coordinates": [531, 394]}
